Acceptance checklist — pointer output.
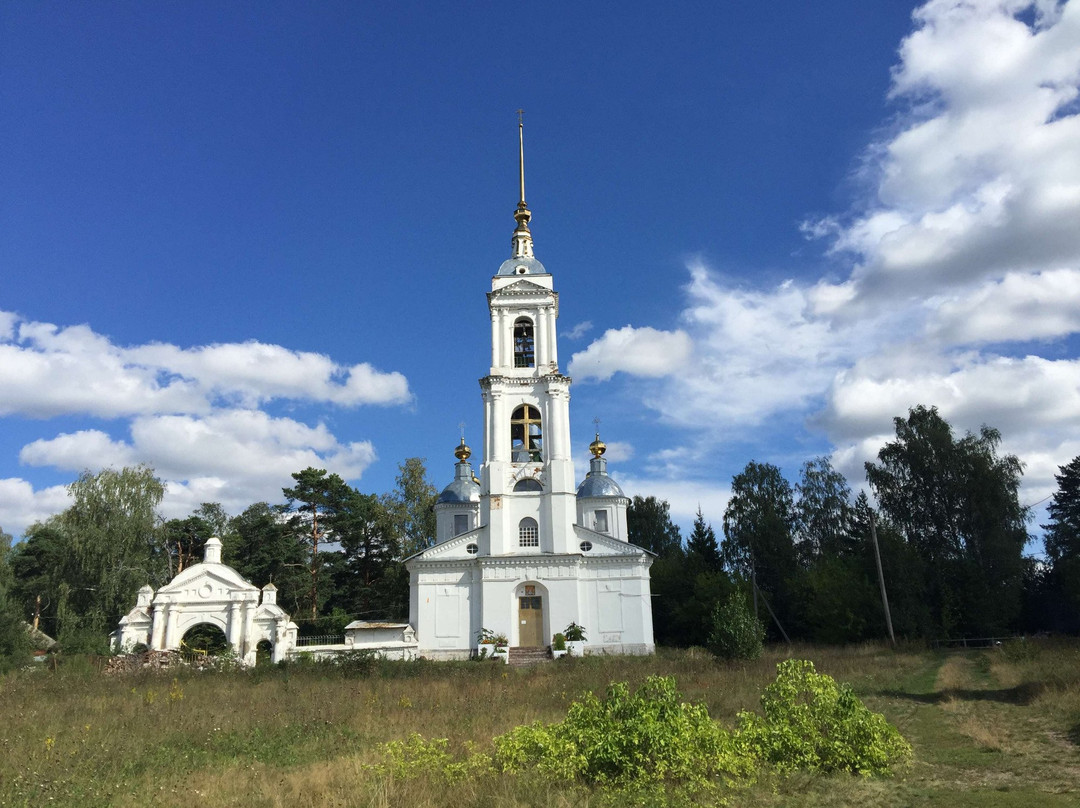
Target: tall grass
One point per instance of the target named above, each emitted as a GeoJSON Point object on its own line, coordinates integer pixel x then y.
{"type": "Point", "coordinates": [306, 734]}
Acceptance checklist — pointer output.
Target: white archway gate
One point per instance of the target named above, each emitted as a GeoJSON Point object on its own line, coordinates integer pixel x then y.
{"type": "Point", "coordinates": [214, 593]}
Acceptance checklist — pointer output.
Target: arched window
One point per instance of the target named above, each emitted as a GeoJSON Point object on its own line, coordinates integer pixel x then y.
{"type": "Point", "coordinates": [524, 347]}
{"type": "Point", "coordinates": [528, 484]}
{"type": "Point", "coordinates": [528, 533]}
{"type": "Point", "coordinates": [526, 436]}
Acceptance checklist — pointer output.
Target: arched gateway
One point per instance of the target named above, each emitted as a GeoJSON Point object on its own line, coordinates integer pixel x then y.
{"type": "Point", "coordinates": [215, 594]}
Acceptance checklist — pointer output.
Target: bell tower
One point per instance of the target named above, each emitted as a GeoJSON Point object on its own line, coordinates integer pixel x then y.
{"type": "Point", "coordinates": [527, 482]}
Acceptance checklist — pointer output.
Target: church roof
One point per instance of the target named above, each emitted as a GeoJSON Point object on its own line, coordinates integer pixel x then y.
{"type": "Point", "coordinates": [597, 482]}
{"type": "Point", "coordinates": [522, 265]}
{"type": "Point", "coordinates": [464, 488]}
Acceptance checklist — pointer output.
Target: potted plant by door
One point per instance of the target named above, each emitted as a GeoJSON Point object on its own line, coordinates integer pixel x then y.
{"type": "Point", "coordinates": [502, 648]}
{"type": "Point", "coordinates": [575, 639]}
{"type": "Point", "coordinates": [485, 643]}
{"type": "Point", "coordinates": [558, 645]}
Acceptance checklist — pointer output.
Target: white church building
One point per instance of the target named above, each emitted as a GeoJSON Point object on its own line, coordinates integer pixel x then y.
{"type": "Point", "coordinates": [524, 551]}
{"type": "Point", "coordinates": [521, 552]}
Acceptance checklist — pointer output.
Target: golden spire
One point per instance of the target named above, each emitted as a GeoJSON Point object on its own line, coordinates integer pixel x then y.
{"type": "Point", "coordinates": [462, 452]}
{"type": "Point", "coordinates": [522, 240]}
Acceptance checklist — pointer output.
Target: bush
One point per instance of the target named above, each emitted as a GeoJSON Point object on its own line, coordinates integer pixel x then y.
{"type": "Point", "coordinates": [622, 739]}
{"type": "Point", "coordinates": [736, 633]}
{"type": "Point", "coordinates": [813, 724]}
{"type": "Point", "coordinates": [558, 642]}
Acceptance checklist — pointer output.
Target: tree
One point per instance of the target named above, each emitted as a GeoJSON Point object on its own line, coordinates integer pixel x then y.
{"type": "Point", "coordinates": [956, 503]}
{"type": "Point", "coordinates": [702, 546]}
{"type": "Point", "coordinates": [111, 531]}
{"type": "Point", "coordinates": [1062, 536]}
{"type": "Point", "coordinates": [40, 564]}
{"type": "Point", "coordinates": [412, 507]}
{"type": "Point", "coordinates": [1062, 539]}
{"type": "Point", "coordinates": [14, 639]}
{"type": "Point", "coordinates": [311, 501]}
{"type": "Point", "coordinates": [649, 525]}
{"type": "Point", "coordinates": [822, 512]}
{"type": "Point", "coordinates": [260, 546]}
{"type": "Point", "coordinates": [374, 582]}
{"type": "Point", "coordinates": [736, 633]}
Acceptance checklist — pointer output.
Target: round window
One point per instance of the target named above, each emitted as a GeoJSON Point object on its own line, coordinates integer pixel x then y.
{"type": "Point", "coordinates": [471, 549]}
{"type": "Point", "coordinates": [585, 546]}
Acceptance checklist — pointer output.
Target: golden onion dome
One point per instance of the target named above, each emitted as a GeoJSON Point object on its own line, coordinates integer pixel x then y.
{"type": "Point", "coordinates": [597, 447]}
{"type": "Point", "coordinates": [462, 452]}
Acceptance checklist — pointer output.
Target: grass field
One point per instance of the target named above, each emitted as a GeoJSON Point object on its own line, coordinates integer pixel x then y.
{"type": "Point", "coordinates": [988, 728]}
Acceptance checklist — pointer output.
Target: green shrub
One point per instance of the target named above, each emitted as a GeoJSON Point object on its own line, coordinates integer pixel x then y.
{"type": "Point", "coordinates": [558, 642]}
{"type": "Point", "coordinates": [736, 633]}
{"type": "Point", "coordinates": [624, 738]}
{"type": "Point", "coordinates": [574, 633]}
{"type": "Point", "coordinates": [813, 724]}
{"type": "Point", "coordinates": [1020, 650]}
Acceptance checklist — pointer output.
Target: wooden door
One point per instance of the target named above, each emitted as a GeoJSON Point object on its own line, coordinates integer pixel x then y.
{"type": "Point", "coordinates": [531, 615]}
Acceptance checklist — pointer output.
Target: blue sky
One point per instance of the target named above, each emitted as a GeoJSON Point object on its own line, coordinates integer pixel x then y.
{"type": "Point", "coordinates": [240, 239]}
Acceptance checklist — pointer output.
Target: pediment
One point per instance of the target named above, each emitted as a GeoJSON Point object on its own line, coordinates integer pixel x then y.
{"type": "Point", "coordinates": [452, 549]}
{"type": "Point", "coordinates": [521, 288]}
{"type": "Point", "coordinates": [206, 582]}
{"type": "Point", "coordinates": [605, 545]}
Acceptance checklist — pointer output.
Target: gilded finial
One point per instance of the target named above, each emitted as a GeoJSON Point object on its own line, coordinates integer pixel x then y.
{"type": "Point", "coordinates": [597, 447]}
{"type": "Point", "coordinates": [462, 452]}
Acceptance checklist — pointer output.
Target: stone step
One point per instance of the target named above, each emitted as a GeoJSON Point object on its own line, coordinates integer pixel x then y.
{"type": "Point", "coordinates": [529, 656]}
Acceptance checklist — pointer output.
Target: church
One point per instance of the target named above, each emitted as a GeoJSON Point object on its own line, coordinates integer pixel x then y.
{"type": "Point", "coordinates": [522, 551]}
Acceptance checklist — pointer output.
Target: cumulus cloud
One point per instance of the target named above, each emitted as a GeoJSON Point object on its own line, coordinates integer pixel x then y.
{"type": "Point", "coordinates": [643, 351]}
{"type": "Point", "coordinates": [46, 371]}
{"type": "Point", "coordinates": [235, 457]}
{"type": "Point", "coordinates": [981, 175]}
{"type": "Point", "coordinates": [21, 505]}
{"type": "Point", "coordinates": [963, 286]}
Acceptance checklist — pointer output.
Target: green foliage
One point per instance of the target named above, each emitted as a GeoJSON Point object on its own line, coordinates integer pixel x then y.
{"type": "Point", "coordinates": [649, 525]}
{"type": "Point", "coordinates": [811, 723]}
{"type": "Point", "coordinates": [759, 526]}
{"type": "Point", "coordinates": [823, 512]}
{"type": "Point", "coordinates": [415, 757]}
{"type": "Point", "coordinates": [262, 548]}
{"type": "Point", "coordinates": [486, 636]}
{"type": "Point", "coordinates": [622, 739]}
{"type": "Point", "coordinates": [558, 642]}
{"type": "Point", "coordinates": [955, 501]}
{"type": "Point", "coordinates": [702, 546]}
{"type": "Point", "coordinates": [736, 633]}
{"type": "Point", "coordinates": [412, 507]}
{"type": "Point", "coordinates": [14, 639]}
{"type": "Point", "coordinates": [574, 633]}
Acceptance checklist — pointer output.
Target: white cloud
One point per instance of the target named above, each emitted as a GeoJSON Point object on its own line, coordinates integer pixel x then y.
{"type": "Point", "coordinates": [235, 457]}
{"type": "Point", "coordinates": [684, 497]}
{"type": "Point", "coordinates": [47, 371]}
{"type": "Point", "coordinates": [964, 282]}
{"type": "Point", "coordinates": [982, 175]}
{"type": "Point", "coordinates": [1021, 306]}
{"type": "Point", "coordinates": [21, 505]}
{"type": "Point", "coordinates": [579, 330]}
{"type": "Point", "coordinates": [644, 352]}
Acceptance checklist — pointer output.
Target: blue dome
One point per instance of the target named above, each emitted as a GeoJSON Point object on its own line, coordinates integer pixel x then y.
{"type": "Point", "coordinates": [525, 265]}
{"type": "Point", "coordinates": [599, 485]}
{"type": "Point", "coordinates": [459, 491]}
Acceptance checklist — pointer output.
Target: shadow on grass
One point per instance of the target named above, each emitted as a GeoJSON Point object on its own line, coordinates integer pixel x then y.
{"type": "Point", "coordinates": [1023, 695]}
{"type": "Point", "coordinates": [1074, 734]}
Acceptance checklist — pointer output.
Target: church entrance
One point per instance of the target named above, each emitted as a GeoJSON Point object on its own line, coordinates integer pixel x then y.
{"type": "Point", "coordinates": [531, 615]}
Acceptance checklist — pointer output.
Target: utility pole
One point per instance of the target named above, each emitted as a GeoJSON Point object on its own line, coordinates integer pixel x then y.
{"type": "Point", "coordinates": [881, 580]}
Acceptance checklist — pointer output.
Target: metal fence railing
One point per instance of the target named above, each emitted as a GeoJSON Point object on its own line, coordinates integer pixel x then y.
{"type": "Point", "coordinates": [321, 639]}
